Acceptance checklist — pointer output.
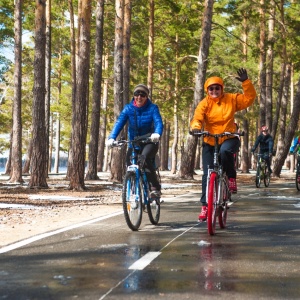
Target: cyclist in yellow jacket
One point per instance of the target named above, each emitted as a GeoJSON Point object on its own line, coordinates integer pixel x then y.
{"type": "Point", "coordinates": [215, 113]}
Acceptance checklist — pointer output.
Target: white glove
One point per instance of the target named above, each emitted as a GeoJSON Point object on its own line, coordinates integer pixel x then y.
{"type": "Point", "coordinates": [154, 137]}
{"type": "Point", "coordinates": [110, 142]}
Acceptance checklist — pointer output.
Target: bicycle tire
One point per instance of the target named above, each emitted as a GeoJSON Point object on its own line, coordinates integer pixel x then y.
{"type": "Point", "coordinates": [297, 176]}
{"type": "Point", "coordinates": [266, 177]}
{"type": "Point", "coordinates": [212, 207]}
{"type": "Point", "coordinates": [153, 210]}
{"type": "Point", "coordinates": [132, 204]}
{"type": "Point", "coordinates": [258, 177]}
{"type": "Point", "coordinates": [224, 207]}
{"type": "Point", "coordinates": [153, 206]}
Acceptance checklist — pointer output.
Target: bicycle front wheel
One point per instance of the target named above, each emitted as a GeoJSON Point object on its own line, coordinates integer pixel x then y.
{"type": "Point", "coordinates": [267, 177]}
{"type": "Point", "coordinates": [212, 206]}
{"type": "Point", "coordinates": [224, 207]}
{"type": "Point", "coordinates": [258, 177]}
{"type": "Point", "coordinates": [132, 200]}
{"type": "Point", "coordinates": [298, 178]}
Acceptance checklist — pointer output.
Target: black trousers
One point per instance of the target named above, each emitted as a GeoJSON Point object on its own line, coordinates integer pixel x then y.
{"type": "Point", "coordinates": [147, 157]}
{"type": "Point", "coordinates": [227, 150]}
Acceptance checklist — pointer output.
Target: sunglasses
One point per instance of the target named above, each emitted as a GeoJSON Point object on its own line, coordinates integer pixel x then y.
{"type": "Point", "coordinates": [140, 93]}
{"type": "Point", "coordinates": [216, 88]}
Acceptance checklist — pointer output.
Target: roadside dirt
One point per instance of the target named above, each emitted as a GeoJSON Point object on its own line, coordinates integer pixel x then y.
{"type": "Point", "coordinates": [27, 212]}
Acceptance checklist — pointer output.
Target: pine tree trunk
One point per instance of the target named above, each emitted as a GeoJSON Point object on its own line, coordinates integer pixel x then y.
{"type": "Point", "coordinates": [188, 156]}
{"type": "Point", "coordinates": [117, 166]}
{"type": "Point", "coordinates": [80, 109]}
{"type": "Point", "coordinates": [94, 135]}
{"type": "Point", "coordinates": [16, 145]}
{"type": "Point", "coordinates": [39, 157]}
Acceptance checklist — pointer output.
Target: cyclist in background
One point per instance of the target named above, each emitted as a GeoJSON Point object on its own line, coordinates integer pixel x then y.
{"type": "Point", "coordinates": [266, 143]}
{"type": "Point", "coordinates": [295, 147]}
{"type": "Point", "coordinates": [143, 117]}
{"type": "Point", "coordinates": [215, 114]}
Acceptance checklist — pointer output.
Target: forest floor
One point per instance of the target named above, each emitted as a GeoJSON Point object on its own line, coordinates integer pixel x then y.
{"type": "Point", "coordinates": [28, 212]}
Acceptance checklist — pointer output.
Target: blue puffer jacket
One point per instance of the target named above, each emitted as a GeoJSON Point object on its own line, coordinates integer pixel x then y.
{"type": "Point", "coordinates": [141, 120]}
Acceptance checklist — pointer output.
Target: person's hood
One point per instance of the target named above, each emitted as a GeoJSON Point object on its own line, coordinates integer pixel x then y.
{"type": "Point", "coordinates": [214, 80]}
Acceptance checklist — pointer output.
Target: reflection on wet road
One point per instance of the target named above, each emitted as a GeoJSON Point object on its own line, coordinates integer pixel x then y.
{"type": "Point", "coordinates": [255, 257]}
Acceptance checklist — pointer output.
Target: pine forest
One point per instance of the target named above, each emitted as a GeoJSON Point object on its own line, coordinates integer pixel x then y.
{"type": "Point", "coordinates": [68, 67]}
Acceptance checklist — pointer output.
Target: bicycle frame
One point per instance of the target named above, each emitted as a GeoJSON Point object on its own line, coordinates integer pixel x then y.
{"type": "Point", "coordinates": [218, 194]}
{"type": "Point", "coordinates": [135, 195]}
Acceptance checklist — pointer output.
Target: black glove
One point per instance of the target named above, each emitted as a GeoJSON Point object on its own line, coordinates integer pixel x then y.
{"type": "Point", "coordinates": [195, 131]}
{"type": "Point", "coordinates": [242, 75]}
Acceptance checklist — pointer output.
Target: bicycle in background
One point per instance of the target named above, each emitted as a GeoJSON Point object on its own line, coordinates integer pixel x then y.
{"type": "Point", "coordinates": [218, 195]}
{"type": "Point", "coordinates": [297, 180]}
{"type": "Point", "coordinates": [136, 191]}
{"type": "Point", "coordinates": [262, 172]}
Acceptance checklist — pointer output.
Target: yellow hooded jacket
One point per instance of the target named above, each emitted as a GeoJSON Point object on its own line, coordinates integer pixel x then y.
{"type": "Point", "coordinates": [216, 115]}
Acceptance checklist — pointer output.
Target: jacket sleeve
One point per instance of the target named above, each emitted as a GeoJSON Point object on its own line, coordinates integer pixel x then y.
{"type": "Point", "coordinates": [247, 98]}
{"type": "Point", "coordinates": [198, 119]}
{"type": "Point", "coordinates": [271, 144]}
{"type": "Point", "coordinates": [293, 147]}
{"type": "Point", "coordinates": [158, 123]}
{"type": "Point", "coordinates": [120, 123]}
{"type": "Point", "coordinates": [256, 144]}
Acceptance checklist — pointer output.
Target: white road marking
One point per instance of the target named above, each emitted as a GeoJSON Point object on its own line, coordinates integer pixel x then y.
{"type": "Point", "coordinates": [44, 235]}
{"type": "Point", "coordinates": [144, 261]}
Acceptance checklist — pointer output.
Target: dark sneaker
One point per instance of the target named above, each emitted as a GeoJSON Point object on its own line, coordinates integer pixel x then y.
{"type": "Point", "coordinates": [203, 214]}
{"type": "Point", "coordinates": [155, 194]}
{"type": "Point", "coordinates": [232, 185]}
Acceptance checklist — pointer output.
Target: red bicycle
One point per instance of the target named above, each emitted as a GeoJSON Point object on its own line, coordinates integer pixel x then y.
{"type": "Point", "coordinates": [218, 194]}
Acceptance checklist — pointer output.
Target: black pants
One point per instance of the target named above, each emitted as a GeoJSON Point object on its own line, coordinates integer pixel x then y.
{"type": "Point", "coordinates": [227, 149]}
{"type": "Point", "coordinates": [148, 156]}
{"type": "Point", "coordinates": [266, 157]}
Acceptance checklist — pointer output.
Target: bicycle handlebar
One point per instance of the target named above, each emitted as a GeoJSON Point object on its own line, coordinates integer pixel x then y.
{"type": "Point", "coordinates": [217, 135]}
{"type": "Point", "coordinates": [143, 139]}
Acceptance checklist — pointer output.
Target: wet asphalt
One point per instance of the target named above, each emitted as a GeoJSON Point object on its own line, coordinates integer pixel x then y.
{"type": "Point", "coordinates": [256, 257]}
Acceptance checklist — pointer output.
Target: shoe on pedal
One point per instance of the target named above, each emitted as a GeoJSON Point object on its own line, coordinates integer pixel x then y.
{"type": "Point", "coordinates": [203, 214]}
{"type": "Point", "coordinates": [155, 194]}
{"type": "Point", "coordinates": [232, 185]}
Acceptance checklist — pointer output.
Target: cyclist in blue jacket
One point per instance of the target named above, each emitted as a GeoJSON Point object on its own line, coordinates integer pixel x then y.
{"type": "Point", "coordinates": [143, 117]}
{"type": "Point", "coordinates": [295, 147]}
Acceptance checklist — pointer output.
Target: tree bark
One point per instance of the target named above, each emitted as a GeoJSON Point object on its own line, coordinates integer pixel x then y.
{"type": "Point", "coordinates": [289, 134]}
{"type": "Point", "coordinates": [80, 112]}
{"type": "Point", "coordinates": [95, 122]}
{"type": "Point", "coordinates": [262, 65]}
{"type": "Point", "coordinates": [16, 148]}
{"type": "Point", "coordinates": [188, 156]}
{"type": "Point", "coordinates": [151, 47]}
{"type": "Point", "coordinates": [39, 157]}
{"type": "Point", "coordinates": [117, 166]}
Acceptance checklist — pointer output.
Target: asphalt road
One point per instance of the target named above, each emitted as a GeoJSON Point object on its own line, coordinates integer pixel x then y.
{"type": "Point", "coordinates": [256, 257]}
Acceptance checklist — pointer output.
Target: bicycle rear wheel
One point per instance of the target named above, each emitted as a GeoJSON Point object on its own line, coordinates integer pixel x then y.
{"type": "Point", "coordinates": [132, 202]}
{"type": "Point", "coordinates": [258, 177]}
{"type": "Point", "coordinates": [224, 207]}
{"type": "Point", "coordinates": [153, 209]}
{"type": "Point", "coordinates": [266, 177]}
{"type": "Point", "coordinates": [298, 178]}
{"type": "Point", "coordinates": [212, 207]}
{"type": "Point", "coordinates": [153, 205]}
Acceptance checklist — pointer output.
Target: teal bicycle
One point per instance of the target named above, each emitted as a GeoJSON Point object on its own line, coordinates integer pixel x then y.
{"type": "Point", "coordinates": [136, 192]}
